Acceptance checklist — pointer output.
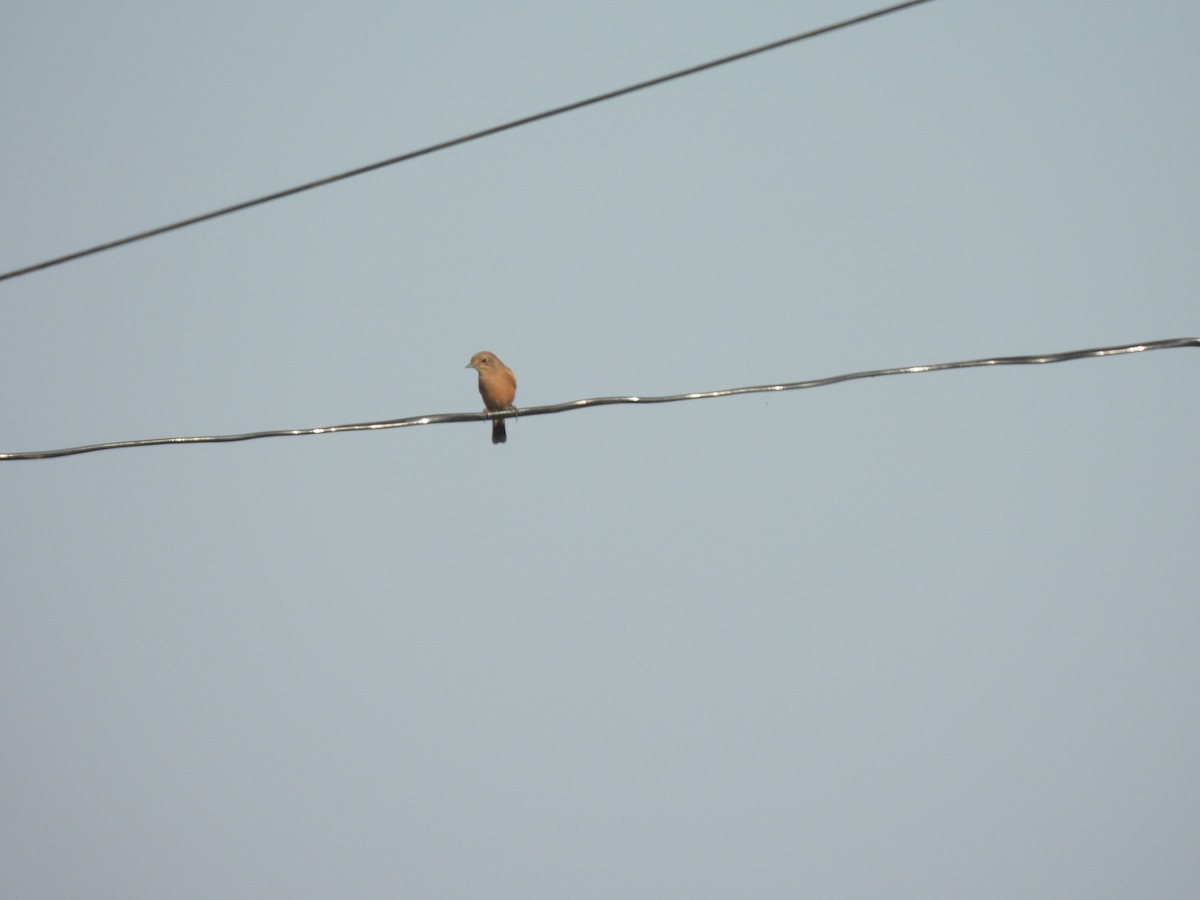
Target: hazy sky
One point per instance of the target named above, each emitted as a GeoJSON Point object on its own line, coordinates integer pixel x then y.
{"type": "Point", "coordinates": [930, 636]}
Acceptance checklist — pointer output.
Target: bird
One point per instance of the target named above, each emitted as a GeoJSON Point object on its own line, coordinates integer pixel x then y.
{"type": "Point", "coordinates": [497, 386]}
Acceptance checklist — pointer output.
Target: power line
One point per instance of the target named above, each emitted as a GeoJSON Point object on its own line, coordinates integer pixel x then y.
{"type": "Point", "coordinates": [454, 142]}
{"type": "Point", "coordinates": [444, 418]}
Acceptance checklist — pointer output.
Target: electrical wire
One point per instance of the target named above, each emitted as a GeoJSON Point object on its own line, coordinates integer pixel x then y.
{"type": "Point", "coordinates": [444, 418]}
{"type": "Point", "coordinates": [454, 142]}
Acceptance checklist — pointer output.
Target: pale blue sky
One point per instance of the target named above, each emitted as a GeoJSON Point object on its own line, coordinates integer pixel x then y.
{"type": "Point", "coordinates": [929, 636]}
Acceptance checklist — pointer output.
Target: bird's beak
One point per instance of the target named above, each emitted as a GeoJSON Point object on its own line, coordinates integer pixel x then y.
{"type": "Point", "coordinates": [469, 366]}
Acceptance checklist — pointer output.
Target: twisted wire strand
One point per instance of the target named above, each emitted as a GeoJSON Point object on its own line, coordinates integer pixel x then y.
{"type": "Point", "coordinates": [463, 139]}
{"type": "Point", "coordinates": [445, 418]}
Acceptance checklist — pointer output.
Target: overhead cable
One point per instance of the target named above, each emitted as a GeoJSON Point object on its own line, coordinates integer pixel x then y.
{"type": "Point", "coordinates": [445, 418]}
{"type": "Point", "coordinates": [454, 142]}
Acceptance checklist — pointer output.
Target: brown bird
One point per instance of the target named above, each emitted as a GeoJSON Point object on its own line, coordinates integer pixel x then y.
{"type": "Point", "coordinates": [497, 386]}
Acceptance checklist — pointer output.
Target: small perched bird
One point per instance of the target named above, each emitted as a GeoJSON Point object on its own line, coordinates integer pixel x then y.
{"type": "Point", "coordinates": [497, 386]}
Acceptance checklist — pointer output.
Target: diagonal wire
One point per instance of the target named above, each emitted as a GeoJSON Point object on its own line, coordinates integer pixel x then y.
{"type": "Point", "coordinates": [466, 138]}
{"type": "Point", "coordinates": [444, 418]}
